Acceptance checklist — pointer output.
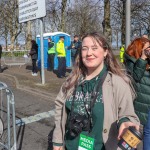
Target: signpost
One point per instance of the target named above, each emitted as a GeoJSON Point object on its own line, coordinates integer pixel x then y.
{"type": "Point", "coordinates": [128, 27]}
{"type": "Point", "coordinates": [30, 10]}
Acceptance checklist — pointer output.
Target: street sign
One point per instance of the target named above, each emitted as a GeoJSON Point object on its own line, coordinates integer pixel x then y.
{"type": "Point", "coordinates": [31, 9]}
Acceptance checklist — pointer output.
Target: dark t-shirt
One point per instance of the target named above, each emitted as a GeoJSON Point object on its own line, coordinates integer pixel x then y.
{"type": "Point", "coordinates": [34, 51]}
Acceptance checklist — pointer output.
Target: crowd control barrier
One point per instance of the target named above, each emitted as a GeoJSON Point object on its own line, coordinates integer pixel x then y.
{"type": "Point", "coordinates": [7, 119]}
{"type": "Point", "coordinates": [15, 57]}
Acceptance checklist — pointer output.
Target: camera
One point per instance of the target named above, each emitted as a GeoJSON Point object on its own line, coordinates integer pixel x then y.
{"type": "Point", "coordinates": [147, 52]}
{"type": "Point", "coordinates": [78, 123]}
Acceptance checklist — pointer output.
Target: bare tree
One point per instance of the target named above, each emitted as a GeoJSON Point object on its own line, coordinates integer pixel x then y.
{"type": "Point", "coordinates": [80, 17]}
{"type": "Point", "coordinates": [107, 26]}
{"type": "Point", "coordinates": [84, 17]}
{"type": "Point", "coordinates": [140, 14]}
{"type": "Point", "coordinates": [62, 24]}
{"type": "Point", "coordinates": [12, 28]}
{"type": "Point", "coordinates": [76, 17]}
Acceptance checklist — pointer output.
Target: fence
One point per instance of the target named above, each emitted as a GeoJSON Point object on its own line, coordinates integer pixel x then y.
{"type": "Point", "coordinates": [15, 58]}
{"type": "Point", "coordinates": [7, 120]}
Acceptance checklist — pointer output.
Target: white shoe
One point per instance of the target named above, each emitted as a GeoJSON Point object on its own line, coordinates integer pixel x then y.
{"type": "Point", "coordinates": [35, 74]}
{"type": "Point", "coordinates": [32, 74]}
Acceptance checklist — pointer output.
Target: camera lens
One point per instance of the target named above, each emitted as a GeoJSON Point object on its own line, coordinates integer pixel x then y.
{"type": "Point", "coordinates": [75, 131]}
{"type": "Point", "coordinates": [78, 123]}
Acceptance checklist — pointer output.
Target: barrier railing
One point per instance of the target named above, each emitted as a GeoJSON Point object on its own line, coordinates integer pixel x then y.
{"type": "Point", "coordinates": [7, 120]}
{"type": "Point", "coordinates": [15, 57]}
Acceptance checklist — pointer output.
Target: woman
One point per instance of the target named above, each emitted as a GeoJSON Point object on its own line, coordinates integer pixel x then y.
{"type": "Point", "coordinates": [34, 56]}
{"type": "Point", "coordinates": [137, 63]}
{"type": "Point", "coordinates": [95, 102]}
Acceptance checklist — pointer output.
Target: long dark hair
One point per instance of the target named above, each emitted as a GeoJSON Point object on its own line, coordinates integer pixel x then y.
{"type": "Point", "coordinates": [34, 45]}
{"type": "Point", "coordinates": [80, 69]}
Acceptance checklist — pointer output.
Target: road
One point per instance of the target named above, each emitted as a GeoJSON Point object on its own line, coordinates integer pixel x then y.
{"type": "Point", "coordinates": [37, 113]}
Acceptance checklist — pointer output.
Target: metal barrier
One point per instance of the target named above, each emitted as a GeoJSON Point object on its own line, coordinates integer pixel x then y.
{"type": "Point", "coordinates": [15, 57]}
{"type": "Point", "coordinates": [7, 114]}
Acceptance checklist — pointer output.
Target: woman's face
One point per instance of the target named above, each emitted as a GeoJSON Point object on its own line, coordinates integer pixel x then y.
{"type": "Point", "coordinates": [92, 54]}
{"type": "Point", "coordinates": [146, 45]}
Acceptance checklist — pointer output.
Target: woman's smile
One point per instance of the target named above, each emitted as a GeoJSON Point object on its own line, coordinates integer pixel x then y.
{"type": "Point", "coordinates": [90, 59]}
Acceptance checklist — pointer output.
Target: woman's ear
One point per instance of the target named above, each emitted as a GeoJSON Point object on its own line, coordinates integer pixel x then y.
{"type": "Point", "coordinates": [106, 52]}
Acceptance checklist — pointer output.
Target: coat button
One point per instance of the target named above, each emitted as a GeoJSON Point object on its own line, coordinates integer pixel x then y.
{"type": "Point", "coordinates": [105, 130]}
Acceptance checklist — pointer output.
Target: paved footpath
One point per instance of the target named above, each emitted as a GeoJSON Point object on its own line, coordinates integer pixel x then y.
{"type": "Point", "coordinates": [37, 113]}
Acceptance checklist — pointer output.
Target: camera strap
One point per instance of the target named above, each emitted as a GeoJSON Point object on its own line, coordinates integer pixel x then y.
{"type": "Point", "coordinates": [93, 98]}
{"type": "Point", "coordinates": [96, 90]}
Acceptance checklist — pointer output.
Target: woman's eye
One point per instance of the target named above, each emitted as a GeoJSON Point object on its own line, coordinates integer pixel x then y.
{"type": "Point", "coordinates": [84, 49]}
{"type": "Point", "coordinates": [94, 48]}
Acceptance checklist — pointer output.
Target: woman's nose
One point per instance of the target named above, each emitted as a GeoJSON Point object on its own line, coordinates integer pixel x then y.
{"type": "Point", "coordinates": [89, 52]}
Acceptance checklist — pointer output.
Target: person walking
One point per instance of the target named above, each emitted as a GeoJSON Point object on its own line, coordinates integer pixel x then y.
{"type": "Point", "coordinates": [74, 47]}
{"type": "Point", "coordinates": [137, 63]}
{"type": "Point", "coordinates": [34, 56]}
{"type": "Point", "coordinates": [91, 105]}
{"type": "Point", "coordinates": [51, 54]}
{"type": "Point", "coordinates": [61, 54]}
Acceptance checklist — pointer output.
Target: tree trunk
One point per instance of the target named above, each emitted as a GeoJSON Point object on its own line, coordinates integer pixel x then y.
{"type": "Point", "coordinates": [29, 36]}
{"type": "Point", "coordinates": [107, 27]}
{"type": "Point", "coordinates": [6, 40]}
{"type": "Point", "coordinates": [123, 30]}
{"type": "Point", "coordinates": [14, 27]}
{"type": "Point", "coordinates": [62, 24]}
{"type": "Point", "coordinates": [12, 42]}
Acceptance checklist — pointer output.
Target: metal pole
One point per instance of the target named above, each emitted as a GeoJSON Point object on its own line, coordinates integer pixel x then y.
{"type": "Point", "coordinates": [128, 10]}
{"type": "Point", "coordinates": [8, 120]}
{"type": "Point", "coordinates": [42, 52]}
{"type": "Point", "coordinates": [14, 120]}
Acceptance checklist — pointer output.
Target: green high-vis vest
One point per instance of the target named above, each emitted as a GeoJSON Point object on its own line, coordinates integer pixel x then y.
{"type": "Point", "coordinates": [52, 50]}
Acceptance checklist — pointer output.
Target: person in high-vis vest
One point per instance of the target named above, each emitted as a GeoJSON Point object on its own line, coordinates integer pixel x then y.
{"type": "Point", "coordinates": [61, 54]}
{"type": "Point", "coordinates": [122, 50]}
{"type": "Point", "coordinates": [51, 53]}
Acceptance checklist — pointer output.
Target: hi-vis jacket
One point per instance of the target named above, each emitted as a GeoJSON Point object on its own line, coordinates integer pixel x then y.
{"type": "Point", "coordinates": [51, 49]}
{"type": "Point", "coordinates": [122, 50]}
{"type": "Point", "coordinates": [60, 49]}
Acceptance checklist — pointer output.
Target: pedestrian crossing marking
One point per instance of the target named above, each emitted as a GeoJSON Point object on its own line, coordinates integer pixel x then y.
{"type": "Point", "coordinates": [34, 118]}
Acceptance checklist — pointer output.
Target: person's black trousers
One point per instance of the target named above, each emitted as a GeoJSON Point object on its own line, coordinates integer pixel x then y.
{"type": "Point", "coordinates": [61, 66]}
{"type": "Point", "coordinates": [51, 61]}
{"type": "Point", "coordinates": [34, 68]}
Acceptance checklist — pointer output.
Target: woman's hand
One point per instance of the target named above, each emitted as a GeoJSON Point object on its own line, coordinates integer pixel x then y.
{"type": "Point", "coordinates": [57, 148]}
{"type": "Point", "coordinates": [147, 44]}
{"type": "Point", "coordinates": [124, 126]}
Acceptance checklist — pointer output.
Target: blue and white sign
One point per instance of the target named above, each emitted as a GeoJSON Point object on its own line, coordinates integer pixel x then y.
{"type": "Point", "coordinates": [31, 9]}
